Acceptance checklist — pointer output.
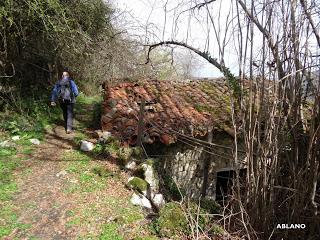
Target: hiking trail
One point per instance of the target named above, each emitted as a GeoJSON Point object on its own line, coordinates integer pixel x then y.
{"type": "Point", "coordinates": [61, 197]}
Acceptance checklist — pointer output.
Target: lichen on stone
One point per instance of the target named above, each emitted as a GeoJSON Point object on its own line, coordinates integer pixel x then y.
{"type": "Point", "coordinates": [138, 184]}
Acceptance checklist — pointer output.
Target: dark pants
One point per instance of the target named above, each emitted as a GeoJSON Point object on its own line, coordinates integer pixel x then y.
{"type": "Point", "coordinates": [67, 109]}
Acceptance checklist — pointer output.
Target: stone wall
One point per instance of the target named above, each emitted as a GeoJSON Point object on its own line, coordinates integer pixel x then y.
{"type": "Point", "coordinates": [185, 164]}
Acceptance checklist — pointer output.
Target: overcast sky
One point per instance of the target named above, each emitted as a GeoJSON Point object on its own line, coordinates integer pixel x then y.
{"type": "Point", "coordinates": [186, 26]}
{"type": "Point", "coordinates": [161, 26]}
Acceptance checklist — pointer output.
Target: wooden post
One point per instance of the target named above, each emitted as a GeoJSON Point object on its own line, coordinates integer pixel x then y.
{"type": "Point", "coordinates": [206, 165]}
{"type": "Point", "coordinates": [140, 123]}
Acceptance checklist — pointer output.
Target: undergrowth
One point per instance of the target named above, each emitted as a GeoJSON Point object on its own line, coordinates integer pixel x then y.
{"type": "Point", "coordinates": [30, 117]}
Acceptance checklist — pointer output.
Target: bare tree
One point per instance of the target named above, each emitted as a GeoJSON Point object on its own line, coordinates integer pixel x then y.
{"type": "Point", "coordinates": [275, 102]}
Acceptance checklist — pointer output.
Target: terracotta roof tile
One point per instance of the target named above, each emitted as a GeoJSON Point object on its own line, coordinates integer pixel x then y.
{"type": "Point", "coordinates": [189, 107]}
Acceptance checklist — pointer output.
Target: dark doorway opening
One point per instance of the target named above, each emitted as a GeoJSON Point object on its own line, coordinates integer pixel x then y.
{"type": "Point", "coordinates": [224, 183]}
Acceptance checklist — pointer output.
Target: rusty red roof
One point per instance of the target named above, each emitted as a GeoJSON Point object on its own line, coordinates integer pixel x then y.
{"type": "Point", "coordinates": [171, 107]}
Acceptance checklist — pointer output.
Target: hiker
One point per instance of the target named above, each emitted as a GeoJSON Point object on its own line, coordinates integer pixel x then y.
{"type": "Point", "coordinates": [65, 92]}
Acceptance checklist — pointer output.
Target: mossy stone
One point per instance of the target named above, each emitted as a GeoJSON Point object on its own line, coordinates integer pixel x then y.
{"type": "Point", "coordinates": [140, 170]}
{"type": "Point", "coordinates": [138, 184]}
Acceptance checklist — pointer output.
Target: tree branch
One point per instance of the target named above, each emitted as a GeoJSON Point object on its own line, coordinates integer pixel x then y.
{"type": "Point", "coordinates": [267, 35]}
{"type": "Point", "coordinates": [308, 15]}
{"type": "Point", "coordinates": [231, 79]}
{"type": "Point", "coordinates": [205, 55]}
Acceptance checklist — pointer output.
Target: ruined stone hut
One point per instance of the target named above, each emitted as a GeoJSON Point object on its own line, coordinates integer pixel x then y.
{"type": "Point", "coordinates": [185, 124]}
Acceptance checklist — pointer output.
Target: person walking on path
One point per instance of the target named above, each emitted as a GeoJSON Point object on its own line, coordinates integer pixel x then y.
{"type": "Point", "coordinates": [65, 92]}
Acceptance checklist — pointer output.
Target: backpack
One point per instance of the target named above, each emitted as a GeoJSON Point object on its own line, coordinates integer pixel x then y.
{"type": "Point", "coordinates": [65, 93]}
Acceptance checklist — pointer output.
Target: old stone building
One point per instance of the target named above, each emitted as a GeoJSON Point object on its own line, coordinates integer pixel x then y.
{"type": "Point", "coordinates": [184, 124]}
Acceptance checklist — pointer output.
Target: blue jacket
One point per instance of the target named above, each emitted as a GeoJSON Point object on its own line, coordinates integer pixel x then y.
{"type": "Point", "coordinates": [56, 89]}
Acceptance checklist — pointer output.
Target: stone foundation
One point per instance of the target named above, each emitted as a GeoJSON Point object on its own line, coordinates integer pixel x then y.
{"type": "Point", "coordinates": [186, 165]}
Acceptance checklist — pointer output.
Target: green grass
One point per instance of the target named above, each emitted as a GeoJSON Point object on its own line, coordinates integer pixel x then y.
{"type": "Point", "coordinates": [110, 231]}
{"type": "Point", "coordinates": [29, 121]}
{"type": "Point", "coordinates": [8, 215]}
{"type": "Point", "coordinates": [75, 221]}
{"type": "Point", "coordinates": [131, 215]}
{"type": "Point", "coordinates": [8, 218]}
{"type": "Point", "coordinates": [27, 150]}
{"type": "Point", "coordinates": [80, 168]}
{"type": "Point", "coordinates": [76, 156]}
{"type": "Point", "coordinates": [4, 152]}
{"type": "Point", "coordinates": [147, 238]}
{"type": "Point", "coordinates": [88, 111]}
{"type": "Point", "coordinates": [86, 178]}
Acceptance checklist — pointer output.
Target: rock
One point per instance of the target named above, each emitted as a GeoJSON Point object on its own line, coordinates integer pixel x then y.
{"type": "Point", "coordinates": [7, 144]}
{"type": "Point", "coordinates": [150, 177]}
{"type": "Point", "coordinates": [106, 135]}
{"type": "Point", "coordinates": [103, 136]}
{"type": "Point", "coordinates": [93, 140]}
{"type": "Point", "coordinates": [138, 184]}
{"type": "Point", "coordinates": [131, 165]}
{"type": "Point", "coordinates": [15, 138]}
{"type": "Point", "coordinates": [158, 200]}
{"type": "Point", "coordinates": [34, 141]}
{"type": "Point", "coordinates": [86, 146]}
{"type": "Point", "coordinates": [62, 173]}
{"type": "Point", "coordinates": [140, 200]}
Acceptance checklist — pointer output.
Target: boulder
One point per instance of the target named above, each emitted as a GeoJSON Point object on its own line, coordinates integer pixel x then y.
{"type": "Point", "coordinates": [158, 200]}
{"type": "Point", "coordinates": [140, 200]}
{"type": "Point", "coordinates": [131, 165]}
{"type": "Point", "coordinates": [35, 141]}
{"type": "Point", "coordinates": [106, 135]}
{"type": "Point", "coordinates": [97, 133]}
{"type": "Point", "coordinates": [138, 184]}
{"type": "Point", "coordinates": [102, 136]}
{"type": "Point", "coordinates": [86, 146]}
{"type": "Point", "coordinates": [150, 177]}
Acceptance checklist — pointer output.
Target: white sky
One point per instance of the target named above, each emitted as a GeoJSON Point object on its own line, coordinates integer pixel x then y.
{"type": "Point", "coordinates": [189, 29]}
{"type": "Point", "coordinates": [141, 13]}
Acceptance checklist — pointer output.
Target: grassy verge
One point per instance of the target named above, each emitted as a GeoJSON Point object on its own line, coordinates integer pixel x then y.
{"type": "Point", "coordinates": [11, 158]}
{"type": "Point", "coordinates": [27, 119]}
{"type": "Point", "coordinates": [102, 209]}
{"type": "Point", "coordinates": [88, 111]}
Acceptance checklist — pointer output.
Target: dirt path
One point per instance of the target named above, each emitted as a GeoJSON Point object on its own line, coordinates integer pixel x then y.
{"type": "Point", "coordinates": [42, 204]}
{"type": "Point", "coordinates": [61, 197]}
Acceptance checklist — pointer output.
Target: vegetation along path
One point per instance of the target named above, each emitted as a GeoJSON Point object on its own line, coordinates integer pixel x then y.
{"type": "Point", "coordinates": [56, 193]}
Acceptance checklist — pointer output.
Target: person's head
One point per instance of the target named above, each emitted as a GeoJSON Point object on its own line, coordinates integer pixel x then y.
{"type": "Point", "coordinates": [65, 74]}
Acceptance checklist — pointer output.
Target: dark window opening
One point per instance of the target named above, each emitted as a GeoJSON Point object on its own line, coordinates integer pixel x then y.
{"type": "Point", "coordinates": [224, 183]}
